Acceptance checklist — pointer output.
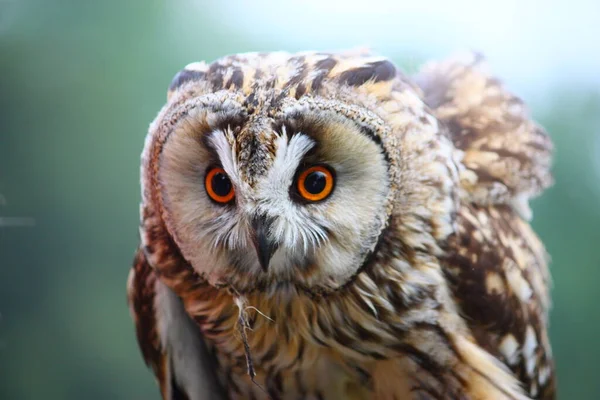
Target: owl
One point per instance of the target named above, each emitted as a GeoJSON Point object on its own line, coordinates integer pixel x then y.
{"type": "Point", "coordinates": [323, 226]}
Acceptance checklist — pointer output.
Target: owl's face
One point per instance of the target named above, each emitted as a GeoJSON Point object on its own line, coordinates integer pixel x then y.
{"type": "Point", "coordinates": [294, 194]}
{"type": "Point", "coordinates": [277, 170]}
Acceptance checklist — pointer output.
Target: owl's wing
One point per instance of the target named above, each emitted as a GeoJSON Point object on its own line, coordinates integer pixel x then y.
{"type": "Point", "coordinates": [169, 340]}
{"type": "Point", "coordinates": [496, 266]}
{"type": "Point", "coordinates": [497, 270]}
{"type": "Point", "coordinates": [506, 155]}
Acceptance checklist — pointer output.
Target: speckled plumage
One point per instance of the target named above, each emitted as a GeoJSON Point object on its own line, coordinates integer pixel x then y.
{"type": "Point", "coordinates": [419, 277]}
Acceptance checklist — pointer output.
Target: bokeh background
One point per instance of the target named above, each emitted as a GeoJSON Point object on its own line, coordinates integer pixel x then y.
{"type": "Point", "coordinates": [81, 80]}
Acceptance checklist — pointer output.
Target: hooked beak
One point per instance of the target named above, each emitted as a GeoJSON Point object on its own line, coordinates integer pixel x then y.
{"type": "Point", "coordinates": [265, 247]}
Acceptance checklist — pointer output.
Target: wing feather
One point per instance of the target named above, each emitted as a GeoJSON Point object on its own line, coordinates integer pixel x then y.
{"type": "Point", "coordinates": [497, 270]}
{"type": "Point", "coordinates": [170, 342]}
{"type": "Point", "coordinates": [507, 156]}
{"type": "Point", "coordinates": [141, 294]}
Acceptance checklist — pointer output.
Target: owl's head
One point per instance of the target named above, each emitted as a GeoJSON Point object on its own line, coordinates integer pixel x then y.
{"type": "Point", "coordinates": [277, 169]}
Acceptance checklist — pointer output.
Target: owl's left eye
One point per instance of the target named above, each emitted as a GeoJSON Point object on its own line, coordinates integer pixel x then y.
{"type": "Point", "coordinates": [218, 186]}
{"type": "Point", "coordinates": [315, 183]}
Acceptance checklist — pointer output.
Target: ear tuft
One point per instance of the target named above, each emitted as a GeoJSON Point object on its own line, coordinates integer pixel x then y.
{"type": "Point", "coordinates": [191, 72]}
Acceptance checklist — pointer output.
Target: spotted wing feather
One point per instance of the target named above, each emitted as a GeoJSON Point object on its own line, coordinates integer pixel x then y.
{"type": "Point", "coordinates": [506, 155]}
{"type": "Point", "coordinates": [497, 271]}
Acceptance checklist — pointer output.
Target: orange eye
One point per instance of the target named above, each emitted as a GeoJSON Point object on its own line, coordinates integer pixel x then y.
{"type": "Point", "coordinates": [315, 183]}
{"type": "Point", "coordinates": [218, 186]}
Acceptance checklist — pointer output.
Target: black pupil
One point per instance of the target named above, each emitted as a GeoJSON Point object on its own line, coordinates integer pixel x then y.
{"type": "Point", "coordinates": [315, 182]}
{"type": "Point", "coordinates": [221, 184]}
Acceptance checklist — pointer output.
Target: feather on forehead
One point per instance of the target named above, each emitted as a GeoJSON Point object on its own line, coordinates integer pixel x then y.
{"type": "Point", "coordinates": [275, 85]}
{"type": "Point", "coordinates": [284, 75]}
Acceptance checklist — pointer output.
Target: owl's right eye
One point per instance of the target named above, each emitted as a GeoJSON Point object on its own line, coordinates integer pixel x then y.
{"type": "Point", "coordinates": [218, 186]}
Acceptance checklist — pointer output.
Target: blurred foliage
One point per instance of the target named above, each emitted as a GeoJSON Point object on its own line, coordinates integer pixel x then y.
{"type": "Point", "coordinates": [79, 83]}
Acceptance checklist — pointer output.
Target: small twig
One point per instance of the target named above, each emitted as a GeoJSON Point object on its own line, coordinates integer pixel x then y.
{"type": "Point", "coordinates": [242, 326]}
{"type": "Point", "coordinates": [250, 364]}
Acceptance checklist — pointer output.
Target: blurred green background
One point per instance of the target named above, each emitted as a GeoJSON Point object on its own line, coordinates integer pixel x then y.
{"type": "Point", "coordinates": [79, 83]}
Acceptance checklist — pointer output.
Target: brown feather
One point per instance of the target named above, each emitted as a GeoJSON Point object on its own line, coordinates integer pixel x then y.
{"type": "Point", "coordinates": [141, 291]}
{"type": "Point", "coordinates": [506, 154]}
{"type": "Point", "coordinates": [497, 270]}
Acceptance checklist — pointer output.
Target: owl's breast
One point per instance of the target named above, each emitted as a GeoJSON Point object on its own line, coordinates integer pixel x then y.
{"type": "Point", "coordinates": [286, 349]}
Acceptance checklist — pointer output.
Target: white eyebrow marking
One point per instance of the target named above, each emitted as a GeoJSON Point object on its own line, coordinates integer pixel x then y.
{"type": "Point", "coordinates": [225, 152]}
{"type": "Point", "coordinates": [288, 155]}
